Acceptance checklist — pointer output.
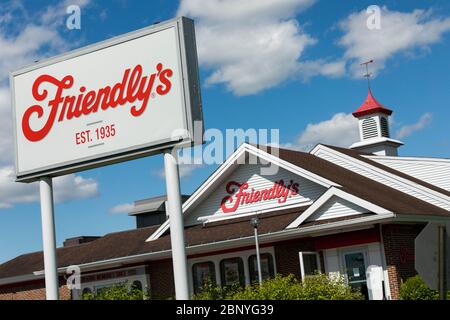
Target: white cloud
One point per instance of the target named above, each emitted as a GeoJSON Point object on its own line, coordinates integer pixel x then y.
{"type": "Point", "coordinates": [122, 208]}
{"type": "Point", "coordinates": [249, 45]}
{"type": "Point", "coordinates": [6, 140]}
{"type": "Point", "coordinates": [185, 170]}
{"type": "Point", "coordinates": [400, 32]}
{"type": "Point", "coordinates": [407, 130]}
{"type": "Point", "coordinates": [340, 130]}
{"type": "Point", "coordinates": [321, 67]}
{"type": "Point", "coordinates": [52, 14]}
{"type": "Point", "coordinates": [69, 187]}
{"type": "Point", "coordinates": [25, 38]}
{"type": "Point", "coordinates": [72, 187]}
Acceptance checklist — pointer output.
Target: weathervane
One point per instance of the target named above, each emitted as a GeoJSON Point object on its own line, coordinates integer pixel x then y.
{"type": "Point", "coordinates": [367, 74]}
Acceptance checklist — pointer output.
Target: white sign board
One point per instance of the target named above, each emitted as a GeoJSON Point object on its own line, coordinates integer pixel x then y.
{"type": "Point", "coordinates": [426, 254]}
{"type": "Point", "coordinates": [124, 98]}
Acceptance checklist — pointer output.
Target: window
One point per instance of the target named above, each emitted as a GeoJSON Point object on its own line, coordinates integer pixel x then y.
{"type": "Point", "coordinates": [267, 269]}
{"type": "Point", "coordinates": [309, 263]}
{"type": "Point", "coordinates": [232, 272]}
{"type": "Point", "coordinates": [355, 269]}
{"type": "Point", "coordinates": [86, 291]}
{"type": "Point", "coordinates": [203, 273]}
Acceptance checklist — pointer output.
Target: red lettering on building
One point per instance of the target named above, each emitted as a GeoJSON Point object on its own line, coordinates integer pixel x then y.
{"type": "Point", "coordinates": [134, 87]}
{"type": "Point", "coordinates": [278, 191]}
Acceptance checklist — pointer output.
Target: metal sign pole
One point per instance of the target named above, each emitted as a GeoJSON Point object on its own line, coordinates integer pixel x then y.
{"type": "Point", "coordinates": [176, 225]}
{"type": "Point", "coordinates": [255, 223]}
{"type": "Point", "coordinates": [48, 239]}
{"type": "Point", "coordinates": [258, 257]}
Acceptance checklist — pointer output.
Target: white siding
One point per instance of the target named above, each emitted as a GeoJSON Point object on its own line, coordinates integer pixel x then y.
{"type": "Point", "coordinates": [432, 171]}
{"type": "Point", "coordinates": [331, 258]}
{"type": "Point", "coordinates": [308, 191]}
{"type": "Point", "coordinates": [375, 272]}
{"type": "Point", "coordinates": [368, 171]}
{"type": "Point", "coordinates": [336, 207]}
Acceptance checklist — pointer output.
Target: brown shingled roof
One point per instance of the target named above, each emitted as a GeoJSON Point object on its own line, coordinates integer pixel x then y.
{"type": "Point", "coordinates": [362, 187]}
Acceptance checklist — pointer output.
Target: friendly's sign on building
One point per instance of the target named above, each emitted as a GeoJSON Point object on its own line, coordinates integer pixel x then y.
{"type": "Point", "coordinates": [124, 98]}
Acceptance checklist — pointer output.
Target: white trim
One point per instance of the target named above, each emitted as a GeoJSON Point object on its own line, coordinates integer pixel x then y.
{"type": "Point", "coordinates": [408, 159]}
{"type": "Point", "coordinates": [216, 218]}
{"type": "Point", "coordinates": [364, 166]}
{"type": "Point", "coordinates": [375, 141]}
{"type": "Point", "coordinates": [291, 167]}
{"type": "Point", "coordinates": [341, 194]}
{"type": "Point", "coordinates": [387, 283]}
{"type": "Point", "coordinates": [207, 186]}
{"type": "Point", "coordinates": [91, 266]}
{"type": "Point", "coordinates": [23, 278]}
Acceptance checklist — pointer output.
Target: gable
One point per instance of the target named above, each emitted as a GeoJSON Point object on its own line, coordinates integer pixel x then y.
{"type": "Point", "coordinates": [336, 207]}
{"type": "Point", "coordinates": [247, 191]}
{"type": "Point", "coordinates": [336, 203]}
{"type": "Point", "coordinates": [191, 207]}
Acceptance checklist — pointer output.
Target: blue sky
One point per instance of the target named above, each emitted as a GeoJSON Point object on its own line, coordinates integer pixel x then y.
{"type": "Point", "coordinates": [308, 82]}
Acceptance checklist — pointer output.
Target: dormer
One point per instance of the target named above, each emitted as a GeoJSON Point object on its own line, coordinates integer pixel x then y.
{"type": "Point", "coordinates": [374, 133]}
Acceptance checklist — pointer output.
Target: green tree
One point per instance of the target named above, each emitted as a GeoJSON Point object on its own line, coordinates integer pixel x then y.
{"type": "Point", "coordinates": [118, 292]}
{"type": "Point", "coordinates": [325, 287]}
{"type": "Point", "coordinates": [318, 287]}
{"type": "Point", "coordinates": [415, 288]}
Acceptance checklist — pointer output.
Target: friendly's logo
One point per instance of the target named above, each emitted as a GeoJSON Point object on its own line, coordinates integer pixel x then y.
{"type": "Point", "coordinates": [278, 191]}
{"type": "Point", "coordinates": [134, 87]}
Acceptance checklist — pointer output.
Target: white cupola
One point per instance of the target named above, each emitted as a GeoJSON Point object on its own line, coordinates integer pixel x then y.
{"type": "Point", "coordinates": [374, 133]}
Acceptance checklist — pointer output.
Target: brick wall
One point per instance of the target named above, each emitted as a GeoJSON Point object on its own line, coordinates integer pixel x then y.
{"type": "Point", "coordinates": [162, 285]}
{"type": "Point", "coordinates": [399, 250]}
{"type": "Point", "coordinates": [286, 255]}
{"type": "Point", "coordinates": [34, 291]}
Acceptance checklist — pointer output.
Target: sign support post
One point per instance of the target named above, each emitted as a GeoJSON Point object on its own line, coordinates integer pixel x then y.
{"type": "Point", "coordinates": [176, 225]}
{"type": "Point", "coordinates": [48, 239]}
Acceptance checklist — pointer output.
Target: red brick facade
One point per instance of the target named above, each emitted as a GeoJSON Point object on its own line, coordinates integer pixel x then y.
{"type": "Point", "coordinates": [399, 251]}
{"type": "Point", "coordinates": [286, 255]}
{"type": "Point", "coordinates": [33, 291]}
{"type": "Point", "coordinates": [162, 285]}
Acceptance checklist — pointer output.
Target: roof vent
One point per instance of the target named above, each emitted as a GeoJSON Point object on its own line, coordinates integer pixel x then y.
{"type": "Point", "coordinates": [152, 211]}
{"type": "Point", "coordinates": [78, 240]}
{"type": "Point", "coordinates": [384, 127]}
{"type": "Point", "coordinates": [369, 128]}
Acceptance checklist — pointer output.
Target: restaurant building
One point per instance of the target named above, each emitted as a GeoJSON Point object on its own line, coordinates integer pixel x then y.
{"type": "Point", "coordinates": [344, 211]}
